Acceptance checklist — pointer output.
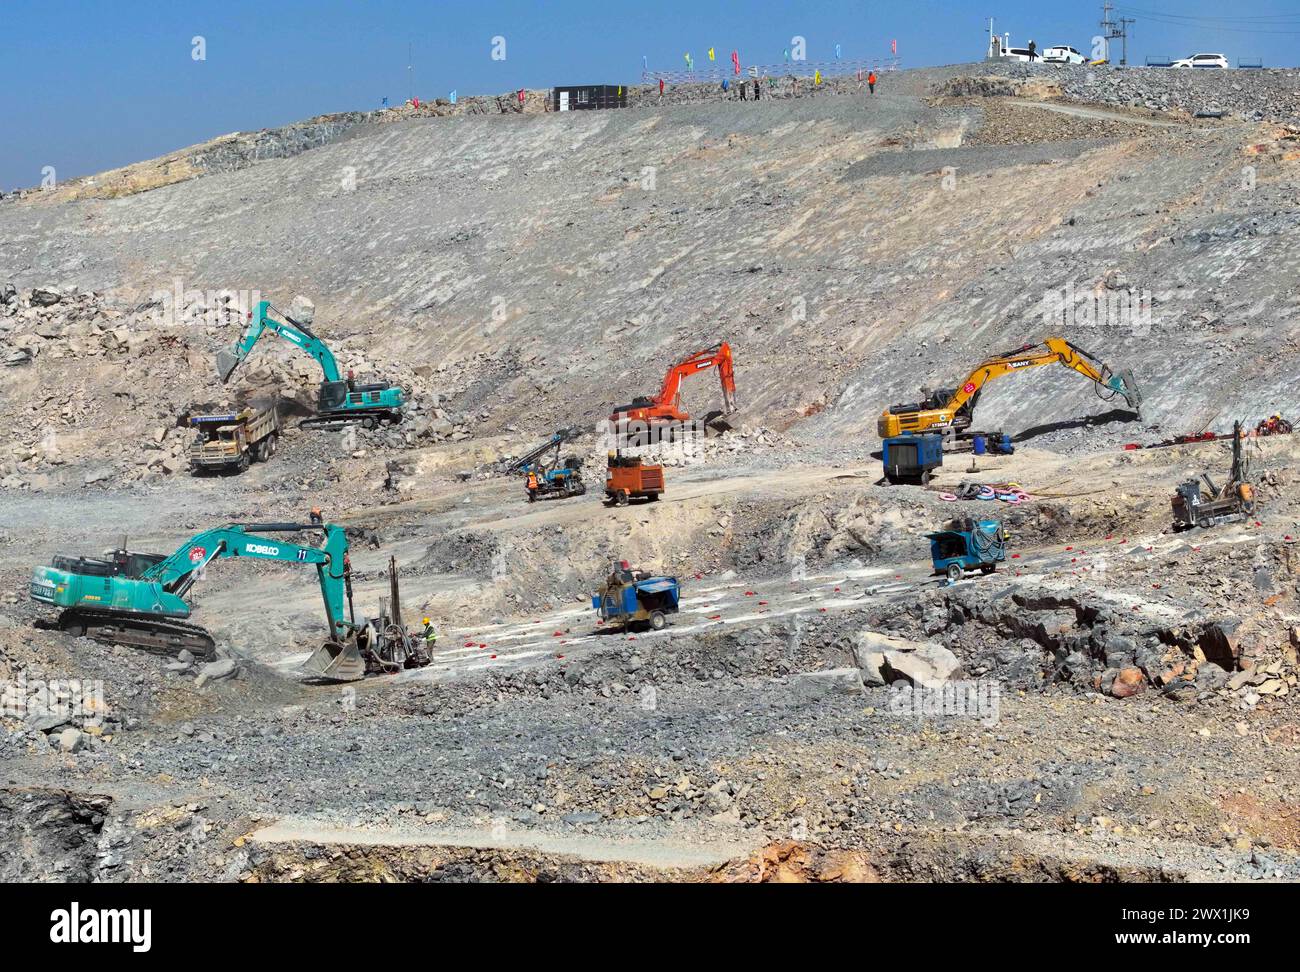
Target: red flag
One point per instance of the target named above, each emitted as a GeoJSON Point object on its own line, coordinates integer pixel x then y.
{"type": "Point", "coordinates": [735, 60]}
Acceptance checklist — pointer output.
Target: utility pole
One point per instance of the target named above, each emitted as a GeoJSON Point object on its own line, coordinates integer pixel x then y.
{"type": "Point", "coordinates": [410, 73]}
{"type": "Point", "coordinates": [1115, 30]}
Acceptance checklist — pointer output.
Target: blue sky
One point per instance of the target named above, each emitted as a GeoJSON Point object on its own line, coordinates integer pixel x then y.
{"type": "Point", "coordinates": [87, 85]}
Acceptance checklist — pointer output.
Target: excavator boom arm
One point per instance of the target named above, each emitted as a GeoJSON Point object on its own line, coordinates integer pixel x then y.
{"type": "Point", "coordinates": [260, 322]}
{"type": "Point", "coordinates": [718, 356]}
{"type": "Point", "coordinates": [177, 573]}
{"type": "Point", "coordinates": [1053, 351]}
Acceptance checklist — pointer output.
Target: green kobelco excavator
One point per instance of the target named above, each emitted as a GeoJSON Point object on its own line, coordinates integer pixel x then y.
{"type": "Point", "coordinates": [341, 401]}
{"type": "Point", "coordinates": [138, 599]}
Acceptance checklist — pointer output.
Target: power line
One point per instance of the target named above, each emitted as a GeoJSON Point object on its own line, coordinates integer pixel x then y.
{"type": "Point", "coordinates": [1189, 23]}
{"type": "Point", "coordinates": [1282, 18]}
{"type": "Point", "coordinates": [1211, 27]}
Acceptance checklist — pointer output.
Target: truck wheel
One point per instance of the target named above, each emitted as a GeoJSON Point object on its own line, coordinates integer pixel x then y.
{"type": "Point", "coordinates": [369, 422]}
{"type": "Point", "coordinates": [243, 463]}
{"type": "Point", "coordinates": [622, 498]}
{"type": "Point", "coordinates": [654, 497]}
{"type": "Point", "coordinates": [954, 572]}
{"type": "Point", "coordinates": [1203, 523]}
{"type": "Point", "coordinates": [988, 568]}
{"type": "Point", "coordinates": [657, 620]}
{"type": "Point", "coordinates": [273, 443]}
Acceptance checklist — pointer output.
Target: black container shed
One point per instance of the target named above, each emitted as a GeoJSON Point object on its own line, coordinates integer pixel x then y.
{"type": "Point", "coordinates": [583, 96]}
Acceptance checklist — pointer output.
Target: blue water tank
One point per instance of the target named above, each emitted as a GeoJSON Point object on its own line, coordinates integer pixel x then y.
{"type": "Point", "coordinates": [980, 443]}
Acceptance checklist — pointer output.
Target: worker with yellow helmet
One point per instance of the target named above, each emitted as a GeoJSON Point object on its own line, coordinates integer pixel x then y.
{"type": "Point", "coordinates": [430, 636]}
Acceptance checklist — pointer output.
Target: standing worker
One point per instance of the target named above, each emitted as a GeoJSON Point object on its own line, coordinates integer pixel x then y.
{"type": "Point", "coordinates": [1033, 48]}
{"type": "Point", "coordinates": [532, 485]}
{"type": "Point", "coordinates": [871, 82]}
{"type": "Point", "coordinates": [430, 636]}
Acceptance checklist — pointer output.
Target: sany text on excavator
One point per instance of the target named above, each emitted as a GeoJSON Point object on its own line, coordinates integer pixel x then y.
{"type": "Point", "coordinates": [138, 599]}
{"type": "Point", "coordinates": [341, 401]}
{"type": "Point", "coordinates": [665, 409]}
{"type": "Point", "coordinates": [953, 408]}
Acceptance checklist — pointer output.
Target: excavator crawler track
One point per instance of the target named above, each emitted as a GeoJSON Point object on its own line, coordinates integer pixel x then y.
{"type": "Point", "coordinates": [370, 419]}
{"type": "Point", "coordinates": [159, 636]}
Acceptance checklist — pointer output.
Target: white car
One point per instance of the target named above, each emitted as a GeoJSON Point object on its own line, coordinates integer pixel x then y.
{"type": "Point", "coordinates": [1063, 55]}
{"type": "Point", "coordinates": [1202, 61]}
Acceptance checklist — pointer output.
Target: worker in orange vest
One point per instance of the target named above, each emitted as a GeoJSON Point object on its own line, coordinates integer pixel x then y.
{"type": "Point", "coordinates": [871, 82]}
{"type": "Point", "coordinates": [532, 486]}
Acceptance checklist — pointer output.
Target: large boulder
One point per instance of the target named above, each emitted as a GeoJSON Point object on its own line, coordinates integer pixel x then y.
{"type": "Point", "coordinates": [882, 658]}
{"type": "Point", "coordinates": [302, 310]}
{"type": "Point", "coordinates": [214, 671]}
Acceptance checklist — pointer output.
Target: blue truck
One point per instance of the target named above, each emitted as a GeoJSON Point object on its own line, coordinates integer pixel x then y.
{"type": "Point", "coordinates": [633, 598]}
{"type": "Point", "coordinates": [967, 544]}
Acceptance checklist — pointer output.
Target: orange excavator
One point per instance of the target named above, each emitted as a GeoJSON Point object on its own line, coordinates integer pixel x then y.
{"type": "Point", "coordinates": [666, 408]}
{"type": "Point", "coordinates": [953, 408]}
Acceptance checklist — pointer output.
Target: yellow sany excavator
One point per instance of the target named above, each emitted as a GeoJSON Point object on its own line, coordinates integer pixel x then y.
{"type": "Point", "coordinates": [953, 408]}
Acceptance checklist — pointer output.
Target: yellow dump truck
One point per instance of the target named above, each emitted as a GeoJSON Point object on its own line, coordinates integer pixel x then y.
{"type": "Point", "coordinates": [233, 440]}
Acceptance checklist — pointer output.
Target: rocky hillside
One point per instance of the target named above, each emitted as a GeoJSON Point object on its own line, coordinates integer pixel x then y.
{"type": "Point", "coordinates": [524, 271]}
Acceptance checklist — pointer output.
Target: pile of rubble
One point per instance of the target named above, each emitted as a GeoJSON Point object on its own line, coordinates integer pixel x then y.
{"type": "Point", "coordinates": [1249, 95]}
{"type": "Point", "coordinates": [101, 412]}
{"type": "Point", "coordinates": [699, 449]}
{"type": "Point", "coordinates": [59, 322]}
{"type": "Point", "coordinates": [1038, 638]}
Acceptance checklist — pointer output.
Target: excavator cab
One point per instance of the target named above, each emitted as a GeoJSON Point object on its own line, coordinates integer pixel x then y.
{"type": "Point", "coordinates": [115, 563]}
{"type": "Point", "coordinates": [333, 396]}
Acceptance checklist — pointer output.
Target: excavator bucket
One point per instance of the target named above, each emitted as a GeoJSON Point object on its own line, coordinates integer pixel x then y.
{"type": "Point", "coordinates": [335, 662]}
{"type": "Point", "coordinates": [719, 422]}
{"type": "Point", "coordinates": [227, 362]}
